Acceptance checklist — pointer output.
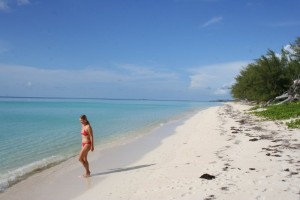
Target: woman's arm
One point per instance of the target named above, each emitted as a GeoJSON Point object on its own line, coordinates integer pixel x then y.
{"type": "Point", "coordinates": [90, 131]}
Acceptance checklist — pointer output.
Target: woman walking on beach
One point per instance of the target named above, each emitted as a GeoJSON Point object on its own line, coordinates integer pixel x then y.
{"type": "Point", "coordinates": [87, 143]}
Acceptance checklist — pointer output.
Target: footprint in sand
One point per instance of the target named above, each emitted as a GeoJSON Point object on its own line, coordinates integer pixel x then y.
{"type": "Point", "coordinates": [224, 188]}
{"type": "Point", "coordinates": [210, 197]}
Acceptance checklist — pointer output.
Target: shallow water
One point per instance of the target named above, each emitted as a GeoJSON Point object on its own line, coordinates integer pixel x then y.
{"type": "Point", "coordinates": [38, 133]}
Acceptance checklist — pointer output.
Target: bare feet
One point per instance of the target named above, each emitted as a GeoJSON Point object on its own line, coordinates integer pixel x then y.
{"type": "Point", "coordinates": [86, 175]}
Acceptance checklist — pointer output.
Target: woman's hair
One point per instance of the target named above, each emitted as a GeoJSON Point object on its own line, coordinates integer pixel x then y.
{"type": "Point", "coordinates": [83, 117]}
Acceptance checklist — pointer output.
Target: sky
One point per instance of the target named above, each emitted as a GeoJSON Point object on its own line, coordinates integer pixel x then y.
{"type": "Point", "coordinates": [137, 49]}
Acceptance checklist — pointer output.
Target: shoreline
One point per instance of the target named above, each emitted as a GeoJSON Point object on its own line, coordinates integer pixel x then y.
{"type": "Point", "coordinates": [249, 159]}
{"type": "Point", "coordinates": [144, 142]}
{"type": "Point", "coordinates": [20, 174]}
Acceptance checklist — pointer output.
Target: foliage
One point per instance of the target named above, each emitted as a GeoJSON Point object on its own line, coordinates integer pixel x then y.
{"type": "Point", "coordinates": [294, 124]}
{"type": "Point", "coordinates": [283, 111]}
{"type": "Point", "coordinates": [296, 49]}
{"type": "Point", "coordinates": [269, 76]}
{"type": "Point", "coordinates": [254, 108]}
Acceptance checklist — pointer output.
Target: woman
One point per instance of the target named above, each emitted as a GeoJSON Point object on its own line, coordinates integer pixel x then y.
{"type": "Point", "coordinates": [87, 143]}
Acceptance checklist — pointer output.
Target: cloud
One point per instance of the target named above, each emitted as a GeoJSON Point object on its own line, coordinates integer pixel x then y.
{"type": "Point", "coordinates": [289, 49]}
{"type": "Point", "coordinates": [124, 79]}
{"type": "Point", "coordinates": [121, 81]}
{"type": "Point", "coordinates": [60, 76]}
{"type": "Point", "coordinates": [212, 21]}
{"type": "Point", "coordinates": [5, 5]}
{"type": "Point", "coordinates": [224, 89]}
{"type": "Point", "coordinates": [196, 0]}
{"type": "Point", "coordinates": [22, 2]}
{"type": "Point", "coordinates": [218, 77]}
{"type": "Point", "coordinates": [201, 80]}
{"type": "Point", "coordinates": [220, 91]}
{"type": "Point", "coordinates": [140, 72]}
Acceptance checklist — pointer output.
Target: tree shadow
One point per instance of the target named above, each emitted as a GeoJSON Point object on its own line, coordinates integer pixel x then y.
{"type": "Point", "coordinates": [121, 170]}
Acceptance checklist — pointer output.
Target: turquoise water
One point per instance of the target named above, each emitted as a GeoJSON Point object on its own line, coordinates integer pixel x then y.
{"type": "Point", "coordinates": [38, 133]}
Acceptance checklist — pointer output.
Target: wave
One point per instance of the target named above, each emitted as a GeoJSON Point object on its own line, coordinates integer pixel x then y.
{"type": "Point", "coordinates": [17, 175]}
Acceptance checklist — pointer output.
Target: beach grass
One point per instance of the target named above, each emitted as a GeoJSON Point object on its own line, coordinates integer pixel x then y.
{"type": "Point", "coordinates": [282, 112]}
{"type": "Point", "coordinates": [294, 124]}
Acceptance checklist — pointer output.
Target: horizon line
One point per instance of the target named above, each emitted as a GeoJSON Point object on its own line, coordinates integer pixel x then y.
{"type": "Point", "coordinates": [106, 98]}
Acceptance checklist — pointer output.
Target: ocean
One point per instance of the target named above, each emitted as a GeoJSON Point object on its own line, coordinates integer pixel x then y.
{"type": "Point", "coordinates": [39, 133]}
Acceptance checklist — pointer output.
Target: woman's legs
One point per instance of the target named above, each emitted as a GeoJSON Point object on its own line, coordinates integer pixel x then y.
{"type": "Point", "coordinates": [83, 159]}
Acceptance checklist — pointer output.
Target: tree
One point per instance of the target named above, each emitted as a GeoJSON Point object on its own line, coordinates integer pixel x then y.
{"type": "Point", "coordinates": [293, 68]}
{"type": "Point", "coordinates": [269, 76]}
{"type": "Point", "coordinates": [296, 48]}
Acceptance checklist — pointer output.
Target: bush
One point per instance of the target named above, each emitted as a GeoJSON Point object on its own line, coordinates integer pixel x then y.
{"type": "Point", "coordinates": [283, 111]}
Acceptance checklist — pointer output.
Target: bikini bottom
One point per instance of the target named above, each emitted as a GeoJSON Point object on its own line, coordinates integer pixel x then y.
{"type": "Point", "coordinates": [84, 143]}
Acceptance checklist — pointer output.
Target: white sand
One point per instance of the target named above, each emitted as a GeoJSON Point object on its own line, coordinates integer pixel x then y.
{"type": "Point", "coordinates": [214, 141]}
{"type": "Point", "coordinates": [205, 144]}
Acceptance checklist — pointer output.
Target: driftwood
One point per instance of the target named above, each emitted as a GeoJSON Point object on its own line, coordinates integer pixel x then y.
{"type": "Point", "coordinates": [293, 94]}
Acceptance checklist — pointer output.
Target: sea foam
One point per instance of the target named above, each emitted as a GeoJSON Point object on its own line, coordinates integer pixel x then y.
{"type": "Point", "coordinates": [19, 174]}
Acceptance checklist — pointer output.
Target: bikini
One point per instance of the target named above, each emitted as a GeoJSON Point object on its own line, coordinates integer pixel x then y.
{"type": "Point", "coordinates": [84, 133]}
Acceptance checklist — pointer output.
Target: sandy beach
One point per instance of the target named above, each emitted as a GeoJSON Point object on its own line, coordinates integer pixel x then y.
{"type": "Point", "coordinates": [242, 156]}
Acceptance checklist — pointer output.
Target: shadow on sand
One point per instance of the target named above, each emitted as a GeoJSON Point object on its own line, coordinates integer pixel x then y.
{"type": "Point", "coordinates": [121, 170]}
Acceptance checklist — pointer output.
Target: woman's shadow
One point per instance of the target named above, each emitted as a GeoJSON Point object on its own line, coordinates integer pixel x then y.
{"type": "Point", "coordinates": [121, 170]}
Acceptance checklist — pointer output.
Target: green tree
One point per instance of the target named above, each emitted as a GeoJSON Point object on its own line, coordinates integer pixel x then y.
{"type": "Point", "coordinates": [293, 68]}
{"type": "Point", "coordinates": [269, 76]}
{"type": "Point", "coordinates": [296, 48]}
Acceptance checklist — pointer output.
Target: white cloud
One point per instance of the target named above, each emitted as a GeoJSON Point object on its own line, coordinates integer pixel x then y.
{"type": "Point", "coordinates": [220, 91]}
{"type": "Point", "coordinates": [5, 5]}
{"type": "Point", "coordinates": [131, 81]}
{"type": "Point", "coordinates": [15, 80]}
{"type": "Point", "coordinates": [217, 77]}
{"type": "Point", "coordinates": [196, 0]}
{"type": "Point", "coordinates": [212, 21]}
{"type": "Point", "coordinates": [289, 49]}
{"type": "Point", "coordinates": [140, 72]}
{"type": "Point", "coordinates": [201, 80]}
{"type": "Point", "coordinates": [224, 90]}
{"type": "Point", "coordinates": [59, 76]}
{"type": "Point", "coordinates": [22, 2]}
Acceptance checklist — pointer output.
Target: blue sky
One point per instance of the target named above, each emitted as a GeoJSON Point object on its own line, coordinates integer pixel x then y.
{"type": "Point", "coordinates": [153, 49]}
